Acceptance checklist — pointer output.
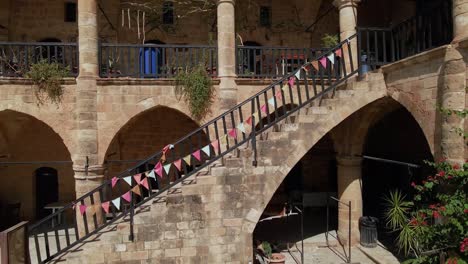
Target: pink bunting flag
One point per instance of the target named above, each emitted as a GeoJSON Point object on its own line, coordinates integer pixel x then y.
{"type": "Point", "coordinates": [178, 164]}
{"type": "Point", "coordinates": [278, 95]}
{"type": "Point", "coordinates": [263, 109]}
{"type": "Point", "coordinates": [292, 81]}
{"type": "Point", "coordinates": [82, 209]}
{"type": "Point", "coordinates": [196, 154]}
{"type": "Point", "coordinates": [127, 196]}
{"type": "Point", "coordinates": [144, 182]}
{"type": "Point", "coordinates": [338, 53]}
{"type": "Point", "coordinates": [323, 61]}
{"type": "Point", "coordinates": [249, 120]}
{"type": "Point", "coordinates": [159, 169]}
{"type": "Point", "coordinates": [137, 178]}
{"type": "Point", "coordinates": [105, 206]}
{"type": "Point", "coordinates": [233, 133]}
{"type": "Point", "coordinates": [114, 181]}
{"type": "Point", "coordinates": [215, 145]}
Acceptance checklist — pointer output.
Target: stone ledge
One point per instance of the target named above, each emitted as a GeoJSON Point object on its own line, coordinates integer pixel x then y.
{"type": "Point", "coordinates": [415, 59]}
{"type": "Point", "coordinates": [138, 81]}
{"type": "Point", "coordinates": [27, 81]}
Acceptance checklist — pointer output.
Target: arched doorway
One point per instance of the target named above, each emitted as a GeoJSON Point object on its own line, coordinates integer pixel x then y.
{"type": "Point", "coordinates": [36, 168]}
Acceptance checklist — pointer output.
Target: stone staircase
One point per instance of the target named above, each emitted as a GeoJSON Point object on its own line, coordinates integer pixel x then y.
{"type": "Point", "coordinates": [209, 217]}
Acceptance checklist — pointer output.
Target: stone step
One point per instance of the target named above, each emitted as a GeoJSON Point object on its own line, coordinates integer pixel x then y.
{"type": "Point", "coordinates": [320, 110]}
{"type": "Point", "coordinates": [345, 93]}
{"type": "Point", "coordinates": [230, 162]}
{"type": "Point", "coordinates": [289, 127]}
{"type": "Point", "coordinates": [276, 136]}
{"type": "Point", "coordinates": [330, 102]}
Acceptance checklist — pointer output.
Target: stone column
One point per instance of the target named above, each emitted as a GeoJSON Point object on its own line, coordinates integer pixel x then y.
{"type": "Point", "coordinates": [349, 189]}
{"type": "Point", "coordinates": [227, 54]}
{"type": "Point", "coordinates": [460, 19]}
{"type": "Point", "coordinates": [452, 146]}
{"type": "Point", "coordinates": [348, 23]}
{"type": "Point", "coordinates": [88, 172]}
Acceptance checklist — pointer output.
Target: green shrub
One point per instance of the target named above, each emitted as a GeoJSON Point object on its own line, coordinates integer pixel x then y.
{"type": "Point", "coordinates": [47, 79]}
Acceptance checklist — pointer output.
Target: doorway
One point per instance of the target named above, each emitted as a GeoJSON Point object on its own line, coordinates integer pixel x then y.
{"type": "Point", "coordinates": [46, 189]}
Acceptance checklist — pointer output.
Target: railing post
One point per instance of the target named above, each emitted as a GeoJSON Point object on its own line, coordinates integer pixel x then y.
{"type": "Point", "coordinates": [349, 231]}
{"type": "Point", "coordinates": [254, 136]}
{"type": "Point", "coordinates": [132, 213]}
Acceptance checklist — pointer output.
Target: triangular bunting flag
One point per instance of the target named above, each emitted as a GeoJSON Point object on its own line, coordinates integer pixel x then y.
{"type": "Point", "coordinates": [215, 145]}
{"type": "Point", "coordinates": [263, 109]}
{"type": "Point", "coordinates": [105, 206]}
{"type": "Point", "coordinates": [158, 169]}
{"type": "Point", "coordinates": [278, 95]}
{"type": "Point", "coordinates": [338, 53]}
{"type": "Point", "coordinates": [306, 68]}
{"type": "Point", "coordinates": [114, 181]}
{"type": "Point", "coordinates": [178, 164]}
{"type": "Point", "coordinates": [298, 74]}
{"type": "Point", "coordinates": [223, 139]}
{"type": "Point", "coordinates": [206, 150]}
{"type": "Point", "coordinates": [137, 178]}
{"type": "Point", "coordinates": [331, 58]}
{"type": "Point", "coordinates": [128, 180]}
{"type": "Point", "coordinates": [271, 101]}
{"type": "Point", "coordinates": [145, 184]}
{"type": "Point", "coordinates": [196, 154]}
{"type": "Point", "coordinates": [256, 117]}
{"type": "Point", "coordinates": [249, 120]}
{"type": "Point", "coordinates": [136, 190]}
{"type": "Point", "coordinates": [151, 174]}
{"type": "Point", "coordinates": [292, 81]}
{"type": "Point", "coordinates": [315, 64]}
{"type": "Point", "coordinates": [241, 127]}
{"type": "Point", "coordinates": [167, 168]}
{"type": "Point", "coordinates": [323, 61]}
{"type": "Point", "coordinates": [116, 203]}
{"type": "Point", "coordinates": [188, 159]}
{"type": "Point", "coordinates": [127, 196]}
{"type": "Point", "coordinates": [233, 133]}
{"type": "Point", "coordinates": [82, 209]}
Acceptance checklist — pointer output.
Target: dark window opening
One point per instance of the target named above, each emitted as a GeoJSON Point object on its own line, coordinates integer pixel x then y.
{"type": "Point", "coordinates": [265, 16]}
{"type": "Point", "coordinates": [70, 12]}
{"type": "Point", "coordinates": [168, 12]}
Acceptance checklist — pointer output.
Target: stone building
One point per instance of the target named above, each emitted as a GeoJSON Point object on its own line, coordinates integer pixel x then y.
{"type": "Point", "coordinates": [120, 109]}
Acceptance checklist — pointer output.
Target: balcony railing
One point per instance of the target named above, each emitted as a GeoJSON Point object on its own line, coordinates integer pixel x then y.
{"type": "Point", "coordinates": [272, 62]}
{"type": "Point", "coordinates": [16, 58]}
{"type": "Point", "coordinates": [154, 61]}
{"type": "Point", "coordinates": [379, 46]}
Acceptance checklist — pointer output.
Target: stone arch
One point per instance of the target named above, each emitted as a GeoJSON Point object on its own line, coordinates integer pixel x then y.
{"type": "Point", "coordinates": [116, 120]}
{"type": "Point", "coordinates": [147, 133]}
{"type": "Point", "coordinates": [32, 143]}
{"type": "Point", "coordinates": [305, 140]}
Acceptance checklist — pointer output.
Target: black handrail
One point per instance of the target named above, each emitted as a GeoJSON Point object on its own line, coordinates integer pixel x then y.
{"type": "Point", "coordinates": [16, 58]}
{"type": "Point", "coordinates": [260, 112]}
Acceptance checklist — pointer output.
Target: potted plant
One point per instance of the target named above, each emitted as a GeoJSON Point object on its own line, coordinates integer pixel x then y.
{"type": "Point", "coordinates": [267, 250]}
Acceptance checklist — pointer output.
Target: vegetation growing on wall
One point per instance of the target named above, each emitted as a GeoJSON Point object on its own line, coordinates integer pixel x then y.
{"type": "Point", "coordinates": [196, 87]}
{"type": "Point", "coordinates": [47, 78]}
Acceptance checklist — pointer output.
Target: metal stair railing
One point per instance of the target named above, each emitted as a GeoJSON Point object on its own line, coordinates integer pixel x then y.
{"type": "Point", "coordinates": [55, 234]}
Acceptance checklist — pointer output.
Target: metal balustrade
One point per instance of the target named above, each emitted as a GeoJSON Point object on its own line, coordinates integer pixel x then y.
{"type": "Point", "coordinates": [380, 46]}
{"type": "Point", "coordinates": [16, 58]}
{"type": "Point", "coordinates": [154, 60]}
{"type": "Point", "coordinates": [86, 216]}
{"type": "Point", "coordinates": [272, 62]}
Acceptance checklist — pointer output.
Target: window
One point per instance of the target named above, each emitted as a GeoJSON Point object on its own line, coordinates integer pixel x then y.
{"type": "Point", "coordinates": [168, 12]}
{"type": "Point", "coordinates": [265, 16]}
{"type": "Point", "coordinates": [70, 12]}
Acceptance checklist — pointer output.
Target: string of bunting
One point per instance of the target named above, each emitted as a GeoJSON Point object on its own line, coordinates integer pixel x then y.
{"type": "Point", "coordinates": [160, 168]}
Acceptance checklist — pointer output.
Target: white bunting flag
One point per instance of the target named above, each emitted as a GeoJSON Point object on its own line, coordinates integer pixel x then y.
{"type": "Point", "coordinates": [151, 174]}
{"type": "Point", "coordinates": [167, 168]}
{"type": "Point", "coordinates": [298, 74]}
{"type": "Point", "coordinates": [241, 127]}
{"type": "Point", "coordinates": [128, 180]}
{"type": "Point", "coordinates": [206, 149]}
{"type": "Point", "coordinates": [331, 58]}
{"type": "Point", "coordinates": [116, 203]}
{"type": "Point", "coordinates": [271, 101]}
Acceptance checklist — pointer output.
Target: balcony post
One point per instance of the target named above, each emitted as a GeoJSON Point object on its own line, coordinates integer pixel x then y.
{"type": "Point", "coordinates": [348, 24]}
{"type": "Point", "coordinates": [88, 172]}
{"type": "Point", "coordinates": [227, 54]}
{"type": "Point", "coordinates": [460, 19]}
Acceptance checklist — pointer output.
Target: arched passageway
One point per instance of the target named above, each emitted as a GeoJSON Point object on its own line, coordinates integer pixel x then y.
{"type": "Point", "coordinates": [35, 169]}
{"type": "Point", "coordinates": [146, 134]}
